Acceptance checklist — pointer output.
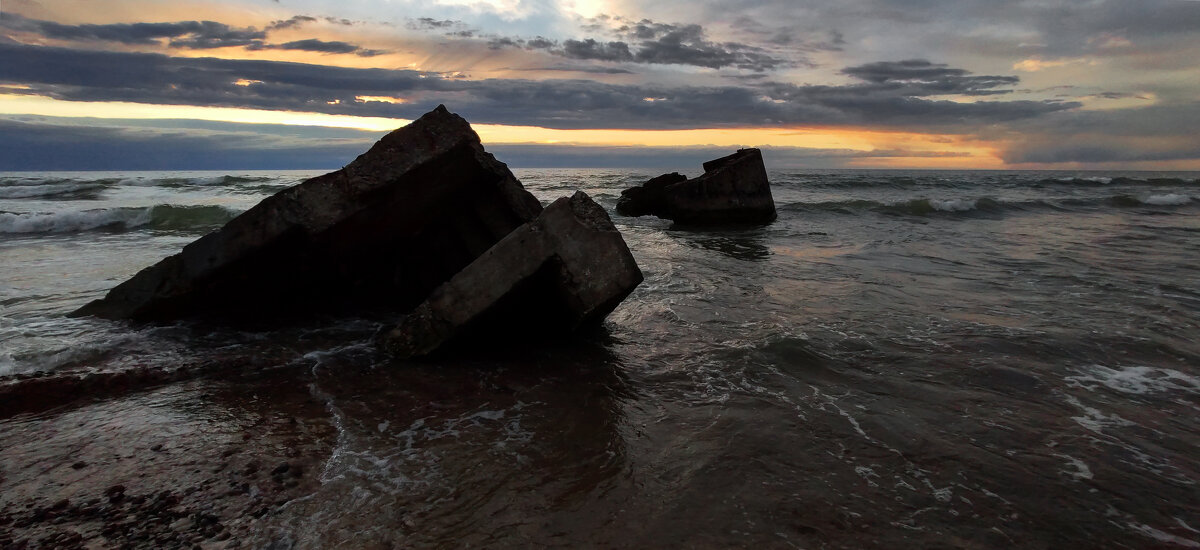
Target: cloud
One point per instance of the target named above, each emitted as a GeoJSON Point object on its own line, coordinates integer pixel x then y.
{"type": "Point", "coordinates": [922, 77]}
{"type": "Point", "coordinates": [600, 51]}
{"type": "Point", "coordinates": [655, 43]}
{"type": "Point", "coordinates": [1154, 133]}
{"type": "Point", "coordinates": [448, 27]}
{"type": "Point", "coordinates": [322, 46]}
{"type": "Point", "coordinates": [80, 75]}
{"type": "Point", "coordinates": [181, 34]}
{"type": "Point", "coordinates": [425, 23]}
{"type": "Point", "coordinates": [573, 69]}
{"type": "Point", "coordinates": [1094, 150]}
{"type": "Point", "coordinates": [293, 22]}
{"type": "Point", "coordinates": [685, 45]}
{"type": "Point", "coordinates": [195, 35]}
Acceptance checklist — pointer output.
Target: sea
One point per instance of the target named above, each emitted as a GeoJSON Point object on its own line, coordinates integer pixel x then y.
{"type": "Point", "coordinates": [903, 359]}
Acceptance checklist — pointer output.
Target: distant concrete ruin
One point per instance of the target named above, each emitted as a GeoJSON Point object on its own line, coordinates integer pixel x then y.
{"type": "Point", "coordinates": [732, 190]}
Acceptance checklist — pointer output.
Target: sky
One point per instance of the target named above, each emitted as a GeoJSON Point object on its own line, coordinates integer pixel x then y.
{"type": "Point", "coordinates": [310, 84]}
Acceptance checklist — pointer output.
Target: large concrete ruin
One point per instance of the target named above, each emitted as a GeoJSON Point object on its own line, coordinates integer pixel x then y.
{"type": "Point", "coordinates": [567, 268]}
{"type": "Point", "coordinates": [384, 231]}
{"type": "Point", "coordinates": [425, 219]}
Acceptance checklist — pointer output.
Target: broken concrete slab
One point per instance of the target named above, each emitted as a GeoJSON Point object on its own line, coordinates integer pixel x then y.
{"type": "Point", "coordinates": [382, 232]}
{"type": "Point", "coordinates": [566, 269]}
{"type": "Point", "coordinates": [733, 190]}
{"type": "Point", "coordinates": [650, 197]}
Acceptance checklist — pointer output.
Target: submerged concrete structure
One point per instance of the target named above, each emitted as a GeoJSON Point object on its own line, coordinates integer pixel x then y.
{"type": "Point", "coordinates": [566, 269]}
{"type": "Point", "coordinates": [649, 198]}
{"type": "Point", "coordinates": [733, 190]}
{"type": "Point", "coordinates": [382, 232]}
{"type": "Point", "coordinates": [425, 223]}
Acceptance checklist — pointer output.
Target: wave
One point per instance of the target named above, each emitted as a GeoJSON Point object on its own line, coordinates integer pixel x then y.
{"type": "Point", "coordinates": [1168, 199]}
{"type": "Point", "coordinates": [914, 207]}
{"type": "Point", "coordinates": [970, 181]}
{"type": "Point", "coordinates": [213, 180]}
{"type": "Point", "coordinates": [1155, 181]}
{"type": "Point", "coordinates": [1119, 181]}
{"type": "Point", "coordinates": [163, 217]}
{"type": "Point", "coordinates": [1171, 199]}
{"type": "Point", "coordinates": [1092, 181]}
{"type": "Point", "coordinates": [934, 206]}
{"type": "Point", "coordinates": [60, 190]}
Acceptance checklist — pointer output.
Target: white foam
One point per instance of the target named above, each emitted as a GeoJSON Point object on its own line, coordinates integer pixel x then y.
{"type": "Point", "coordinates": [1081, 471]}
{"type": "Point", "coordinates": [1163, 536]}
{"type": "Point", "coordinates": [1169, 199]}
{"type": "Point", "coordinates": [69, 221]}
{"type": "Point", "coordinates": [1136, 380]}
{"type": "Point", "coordinates": [1094, 179]}
{"type": "Point", "coordinates": [952, 205]}
{"type": "Point", "coordinates": [867, 473]}
{"type": "Point", "coordinates": [1095, 420]}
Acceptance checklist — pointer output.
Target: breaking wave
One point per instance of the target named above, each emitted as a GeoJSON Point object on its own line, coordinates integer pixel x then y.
{"type": "Point", "coordinates": [914, 207]}
{"type": "Point", "coordinates": [162, 217]}
{"type": "Point", "coordinates": [961, 206]}
{"type": "Point", "coordinates": [209, 180]}
{"type": "Point", "coordinates": [61, 190]}
{"type": "Point", "coordinates": [1171, 199]}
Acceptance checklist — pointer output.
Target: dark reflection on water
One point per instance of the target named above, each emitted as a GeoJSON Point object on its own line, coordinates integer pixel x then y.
{"type": "Point", "coordinates": [483, 453]}
{"type": "Point", "coordinates": [746, 245]}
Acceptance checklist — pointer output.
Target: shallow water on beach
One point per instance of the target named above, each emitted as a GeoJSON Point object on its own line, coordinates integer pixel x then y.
{"type": "Point", "coordinates": [903, 359]}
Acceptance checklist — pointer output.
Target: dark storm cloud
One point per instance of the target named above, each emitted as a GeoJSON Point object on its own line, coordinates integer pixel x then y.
{"type": "Point", "coordinates": [185, 34]}
{"type": "Point", "coordinates": [505, 42]}
{"type": "Point", "coordinates": [656, 43]}
{"type": "Point", "coordinates": [181, 34]}
{"type": "Point", "coordinates": [599, 51]}
{"type": "Point", "coordinates": [923, 77]}
{"type": "Point", "coordinates": [448, 27]}
{"type": "Point", "coordinates": [322, 46]}
{"type": "Point", "coordinates": [573, 69]}
{"type": "Point", "coordinates": [422, 23]}
{"type": "Point", "coordinates": [684, 49]}
{"type": "Point", "coordinates": [152, 78]}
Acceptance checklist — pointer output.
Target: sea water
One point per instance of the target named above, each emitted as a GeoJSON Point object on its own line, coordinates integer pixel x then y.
{"type": "Point", "coordinates": [902, 359]}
